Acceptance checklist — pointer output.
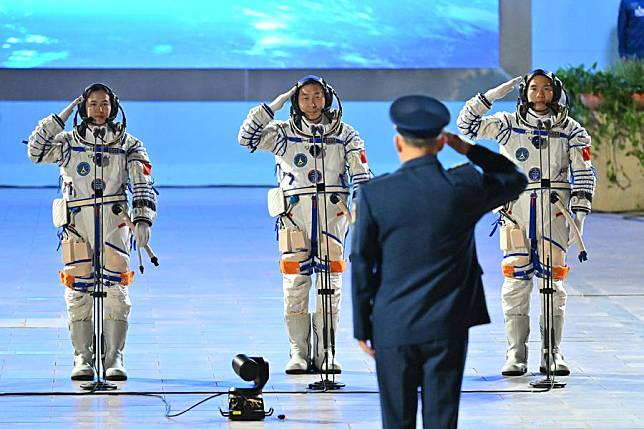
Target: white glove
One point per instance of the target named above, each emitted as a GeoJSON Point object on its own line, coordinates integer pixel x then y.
{"type": "Point", "coordinates": [502, 90]}
{"type": "Point", "coordinates": [142, 233]}
{"type": "Point", "coordinates": [579, 221]}
{"type": "Point", "coordinates": [67, 111]}
{"type": "Point", "coordinates": [281, 99]}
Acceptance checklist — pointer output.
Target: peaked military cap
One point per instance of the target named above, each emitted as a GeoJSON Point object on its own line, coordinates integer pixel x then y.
{"type": "Point", "coordinates": [418, 116]}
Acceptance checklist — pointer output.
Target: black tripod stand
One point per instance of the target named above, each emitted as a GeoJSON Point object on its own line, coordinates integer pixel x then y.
{"type": "Point", "coordinates": [323, 269]}
{"type": "Point", "coordinates": [546, 290]}
{"type": "Point", "coordinates": [98, 293]}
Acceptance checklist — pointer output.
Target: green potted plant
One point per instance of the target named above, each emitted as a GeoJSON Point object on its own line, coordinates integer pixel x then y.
{"type": "Point", "coordinates": [616, 125]}
{"type": "Point", "coordinates": [631, 76]}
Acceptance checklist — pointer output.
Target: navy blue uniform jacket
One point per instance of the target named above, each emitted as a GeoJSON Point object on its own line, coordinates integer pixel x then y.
{"type": "Point", "coordinates": [415, 273]}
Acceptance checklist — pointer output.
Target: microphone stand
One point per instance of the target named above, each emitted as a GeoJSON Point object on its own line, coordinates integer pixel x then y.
{"type": "Point", "coordinates": [323, 270]}
{"type": "Point", "coordinates": [98, 260]}
{"type": "Point", "coordinates": [546, 290]}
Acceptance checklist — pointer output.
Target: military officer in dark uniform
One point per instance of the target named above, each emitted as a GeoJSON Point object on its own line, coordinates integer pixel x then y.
{"type": "Point", "coordinates": [416, 281]}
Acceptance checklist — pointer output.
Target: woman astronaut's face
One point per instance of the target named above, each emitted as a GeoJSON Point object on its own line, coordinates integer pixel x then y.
{"type": "Point", "coordinates": [98, 107]}
{"type": "Point", "coordinates": [540, 92]}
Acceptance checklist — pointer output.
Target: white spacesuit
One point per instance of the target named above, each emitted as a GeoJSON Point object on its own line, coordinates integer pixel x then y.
{"type": "Point", "coordinates": [314, 170]}
{"type": "Point", "coordinates": [528, 232]}
{"type": "Point", "coordinates": [97, 164]}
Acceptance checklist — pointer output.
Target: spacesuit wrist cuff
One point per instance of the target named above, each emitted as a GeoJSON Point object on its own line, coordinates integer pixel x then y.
{"type": "Point", "coordinates": [268, 110]}
{"type": "Point", "coordinates": [142, 219]}
{"type": "Point", "coordinates": [487, 103]}
{"type": "Point", "coordinates": [578, 209]}
{"type": "Point", "coordinates": [58, 120]}
{"type": "Point", "coordinates": [582, 195]}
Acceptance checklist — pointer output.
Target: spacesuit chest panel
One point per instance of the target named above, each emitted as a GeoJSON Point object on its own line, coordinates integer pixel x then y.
{"type": "Point", "coordinates": [92, 168]}
{"type": "Point", "coordinates": [302, 163]}
{"type": "Point", "coordinates": [539, 155]}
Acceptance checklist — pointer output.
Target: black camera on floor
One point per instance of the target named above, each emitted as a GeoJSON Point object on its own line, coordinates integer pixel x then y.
{"type": "Point", "coordinates": [246, 403]}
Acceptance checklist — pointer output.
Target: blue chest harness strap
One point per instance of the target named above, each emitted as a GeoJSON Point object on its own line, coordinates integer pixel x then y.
{"type": "Point", "coordinates": [539, 268]}
{"type": "Point", "coordinates": [554, 134]}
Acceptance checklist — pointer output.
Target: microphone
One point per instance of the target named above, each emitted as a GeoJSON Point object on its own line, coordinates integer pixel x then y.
{"type": "Point", "coordinates": [317, 129]}
{"type": "Point", "coordinates": [545, 124]}
{"type": "Point", "coordinates": [99, 133]}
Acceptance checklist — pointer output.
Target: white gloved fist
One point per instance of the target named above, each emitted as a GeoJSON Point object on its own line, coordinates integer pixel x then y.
{"type": "Point", "coordinates": [281, 99]}
{"type": "Point", "coordinates": [502, 90]}
{"type": "Point", "coordinates": [142, 233]}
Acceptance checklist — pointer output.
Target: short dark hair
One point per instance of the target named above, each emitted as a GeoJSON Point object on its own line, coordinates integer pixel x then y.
{"type": "Point", "coordinates": [420, 142]}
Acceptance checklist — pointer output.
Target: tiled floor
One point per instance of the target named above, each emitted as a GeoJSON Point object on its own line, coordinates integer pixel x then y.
{"type": "Point", "coordinates": [218, 293]}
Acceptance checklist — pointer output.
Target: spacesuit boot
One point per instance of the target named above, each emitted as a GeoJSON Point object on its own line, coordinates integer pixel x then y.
{"type": "Point", "coordinates": [82, 335]}
{"type": "Point", "coordinates": [115, 332]}
{"type": "Point", "coordinates": [298, 328]}
{"type": "Point", "coordinates": [558, 365]}
{"type": "Point", "coordinates": [319, 360]}
{"type": "Point", "coordinates": [517, 329]}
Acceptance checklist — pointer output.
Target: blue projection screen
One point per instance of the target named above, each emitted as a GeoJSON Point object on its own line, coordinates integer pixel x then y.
{"type": "Point", "coordinates": [251, 34]}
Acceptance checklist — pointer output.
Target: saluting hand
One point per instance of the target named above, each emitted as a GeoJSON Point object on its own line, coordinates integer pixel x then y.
{"type": "Point", "coordinates": [67, 111]}
{"type": "Point", "coordinates": [281, 99]}
{"type": "Point", "coordinates": [502, 90]}
{"type": "Point", "coordinates": [457, 143]}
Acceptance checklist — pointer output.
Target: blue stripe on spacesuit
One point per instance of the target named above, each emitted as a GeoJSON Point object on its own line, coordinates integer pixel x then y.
{"type": "Point", "coordinates": [101, 149]}
{"type": "Point", "coordinates": [473, 123]}
{"type": "Point", "coordinates": [532, 228]}
{"type": "Point", "coordinates": [79, 261]}
{"type": "Point", "coordinates": [555, 134]}
{"type": "Point", "coordinates": [575, 133]}
{"type": "Point", "coordinates": [324, 140]}
{"type": "Point", "coordinates": [554, 242]}
{"type": "Point", "coordinates": [108, 244]}
{"type": "Point", "coordinates": [505, 131]}
{"type": "Point", "coordinates": [328, 234]}
{"type": "Point", "coordinates": [314, 226]}
{"type": "Point", "coordinates": [352, 135]}
{"type": "Point", "coordinates": [515, 254]}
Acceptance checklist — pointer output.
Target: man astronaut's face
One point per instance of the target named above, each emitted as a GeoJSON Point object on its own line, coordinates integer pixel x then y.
{"type": "Point", "coordinates": [311, 101]}
{"type": "Point", "coordinates": [98, 107]}
{"type": "Point", "coordinates": [540, 92]}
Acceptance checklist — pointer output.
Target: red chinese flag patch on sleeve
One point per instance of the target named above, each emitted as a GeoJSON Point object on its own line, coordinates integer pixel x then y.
{"type": "Point", "coordinates": [585, 152]}
{"type": "Point", "coordinates": [147, 168]}
{"type": "Point", "coordinates": [363, 156]}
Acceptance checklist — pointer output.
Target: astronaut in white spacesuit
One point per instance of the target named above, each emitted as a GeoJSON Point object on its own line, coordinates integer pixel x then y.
{"type": "Point", "coordinates": [318, 157]}
{"type": "Point", "coordinates": [98, 161]}
{"type": "Point", "coordinates": [531, 237]}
